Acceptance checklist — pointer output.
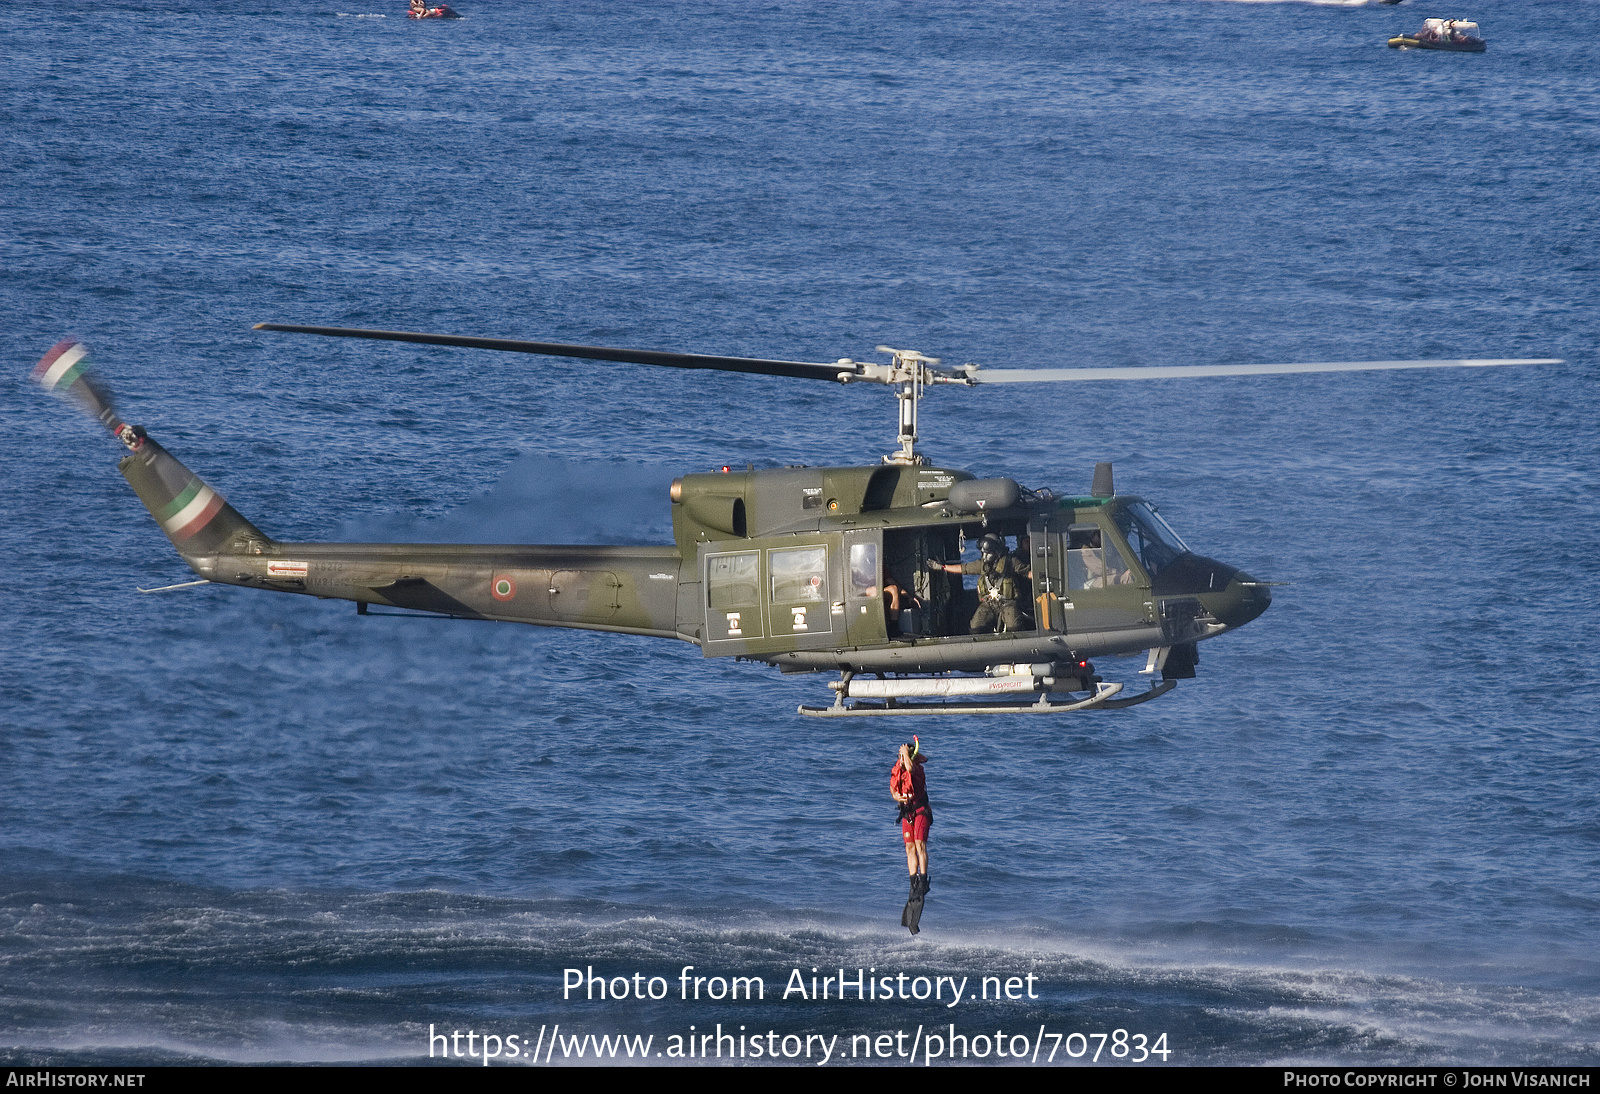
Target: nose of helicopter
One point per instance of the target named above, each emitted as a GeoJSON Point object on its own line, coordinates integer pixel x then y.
{"type": "Point", "coordinates": [1239, 601]}
{"type": "Point", "coordinates": [1230, 595]}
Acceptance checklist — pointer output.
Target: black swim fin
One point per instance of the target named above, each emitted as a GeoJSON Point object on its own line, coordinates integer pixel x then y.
{"type": "Point", "coordinates": [912, 916]}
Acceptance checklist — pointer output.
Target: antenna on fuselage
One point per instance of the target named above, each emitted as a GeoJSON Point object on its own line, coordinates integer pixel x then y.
{"type": "Point", "coordinates": [1103, 486]}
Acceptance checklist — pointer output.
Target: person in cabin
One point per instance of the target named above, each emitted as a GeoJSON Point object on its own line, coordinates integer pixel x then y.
{"type": "Point", "coordinates": [998, 587]}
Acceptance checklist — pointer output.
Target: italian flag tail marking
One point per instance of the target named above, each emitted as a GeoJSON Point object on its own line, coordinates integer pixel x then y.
{"type": "Point", "coordinates": [190, 511]}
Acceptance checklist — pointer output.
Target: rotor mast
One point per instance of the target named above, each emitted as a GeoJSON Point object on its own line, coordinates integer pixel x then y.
{"type": "Point", "coordinates": [910, 376]}
{"type": "Point", "coordinates": [909, 372]}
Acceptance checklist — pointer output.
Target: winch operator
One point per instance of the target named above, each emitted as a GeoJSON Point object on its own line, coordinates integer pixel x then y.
{"type": "Point", "coordinates": [1000, 576]}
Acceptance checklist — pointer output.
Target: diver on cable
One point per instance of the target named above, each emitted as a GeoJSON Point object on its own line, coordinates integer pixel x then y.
{"type": "Point", "coordinates": [909, 786]}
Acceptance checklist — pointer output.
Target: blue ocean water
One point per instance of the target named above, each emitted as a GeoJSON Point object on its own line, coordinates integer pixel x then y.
{"type": "Point", "coordinates": [244, 828]}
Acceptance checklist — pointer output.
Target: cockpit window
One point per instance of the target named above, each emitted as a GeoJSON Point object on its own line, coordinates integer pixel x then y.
{"type": "Point", "coordinates": [1163, 530]}
{"type": "Point", "coordinates": [1093, 561]}
{"type": "Point", "coordinates": [1151, 539]}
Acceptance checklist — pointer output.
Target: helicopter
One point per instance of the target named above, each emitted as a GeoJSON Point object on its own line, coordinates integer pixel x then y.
{"type": "Point", "coordinates": [854, 570]}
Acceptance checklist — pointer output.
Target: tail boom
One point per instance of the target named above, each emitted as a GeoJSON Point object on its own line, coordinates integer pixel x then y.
{"type": "Point", "coordinates": [627, 590]}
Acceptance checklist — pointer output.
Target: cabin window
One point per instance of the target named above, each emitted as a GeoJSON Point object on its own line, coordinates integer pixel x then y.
{"type": "Point", "coordinates": [799, 575]}
{"type": "Point", "coordinates": [733, 582]}
{"type": "Point", "coordinates": [863, 570]}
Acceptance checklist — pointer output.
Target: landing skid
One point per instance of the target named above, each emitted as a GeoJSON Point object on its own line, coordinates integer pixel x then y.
{"type": "Point", "coordinates": [1103, 698]}
{"type": "Point", "coordinates": [1143, 697]}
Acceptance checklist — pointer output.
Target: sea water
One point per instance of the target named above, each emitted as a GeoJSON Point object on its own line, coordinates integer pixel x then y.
{"type": "Point", "coordinates": [244, 828]}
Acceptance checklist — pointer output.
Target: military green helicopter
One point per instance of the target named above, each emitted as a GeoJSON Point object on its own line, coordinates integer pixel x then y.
{"type": "Point", "coordinates": [855, 570]}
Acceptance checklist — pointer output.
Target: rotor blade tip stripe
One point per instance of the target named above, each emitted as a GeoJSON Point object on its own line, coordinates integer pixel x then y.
{"type": "Point", "coordinates": [63, 364]}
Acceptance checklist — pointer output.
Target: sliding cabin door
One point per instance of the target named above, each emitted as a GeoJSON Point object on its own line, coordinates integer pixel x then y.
{"type": "Point", "coordinates": [773, 595]}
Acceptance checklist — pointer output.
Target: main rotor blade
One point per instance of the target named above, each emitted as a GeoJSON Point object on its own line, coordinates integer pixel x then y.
{"type": "Point", "coordinates": [1188, 372]}
{"type": "Point", "coordinates": [803, 370]}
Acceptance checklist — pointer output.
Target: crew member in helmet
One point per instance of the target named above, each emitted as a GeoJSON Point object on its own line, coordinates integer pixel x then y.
{"type": "Point", "coordinates": [998, 585]}
{"type": "Point", "coordinates": [1024, 556]}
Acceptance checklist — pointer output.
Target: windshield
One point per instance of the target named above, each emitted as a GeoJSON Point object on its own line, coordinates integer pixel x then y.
{"type": "Point", "coordinates": [1152, 540]}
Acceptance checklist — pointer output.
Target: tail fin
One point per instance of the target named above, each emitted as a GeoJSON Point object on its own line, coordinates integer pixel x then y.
{"type": "Point", "coordinates": [194, 516]}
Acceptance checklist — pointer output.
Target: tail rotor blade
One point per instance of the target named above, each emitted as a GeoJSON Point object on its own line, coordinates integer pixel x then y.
{"type": "Point", "coordinates": [195, 517]}
{"type": "Point", "coordinates": [64, 371]}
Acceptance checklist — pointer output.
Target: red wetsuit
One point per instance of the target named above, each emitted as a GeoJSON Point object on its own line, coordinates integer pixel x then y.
{"type": "Point", "coordinates": [916, 816]}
